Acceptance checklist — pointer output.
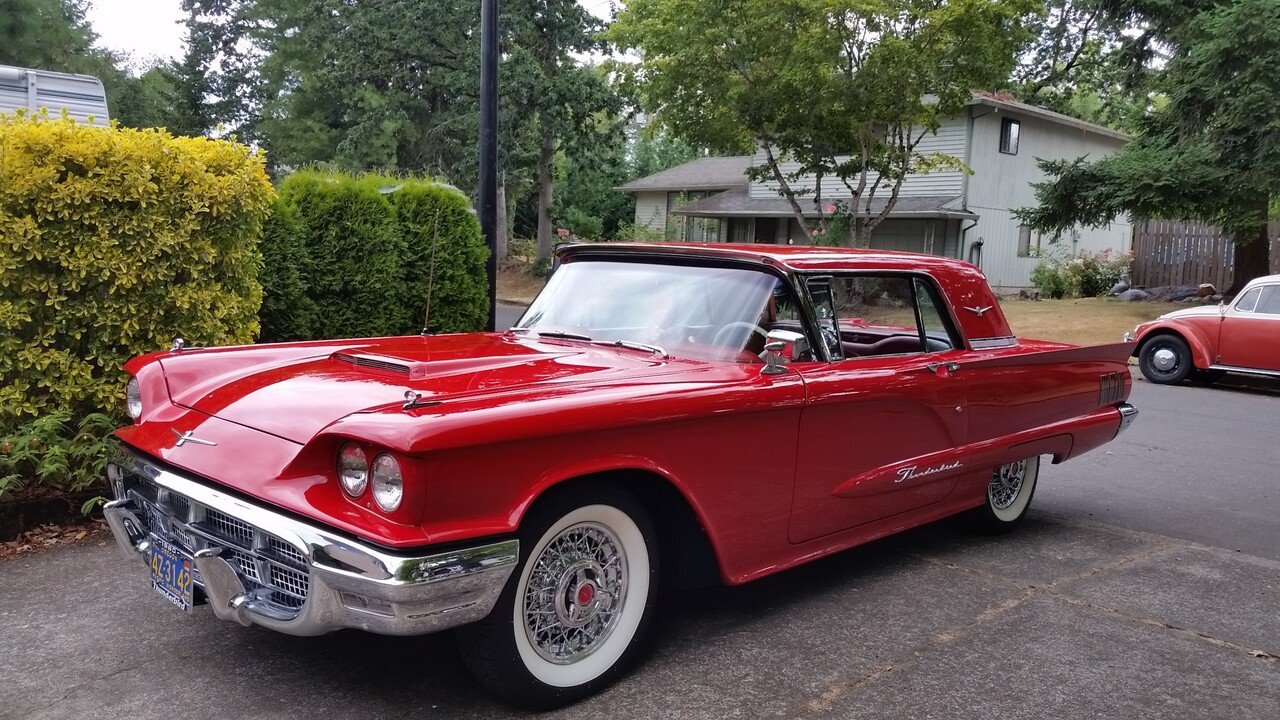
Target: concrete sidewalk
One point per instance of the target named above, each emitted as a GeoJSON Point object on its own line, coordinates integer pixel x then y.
{"type": "Point", "coordinates": [1063, 619]}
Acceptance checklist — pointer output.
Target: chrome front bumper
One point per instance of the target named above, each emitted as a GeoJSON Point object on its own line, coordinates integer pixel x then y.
{"type": "Point", "coordinates": [259, 566]}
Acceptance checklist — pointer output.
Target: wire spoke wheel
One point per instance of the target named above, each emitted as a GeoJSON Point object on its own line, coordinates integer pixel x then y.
{"type": "Point", "coordinates": [1005, 484]}
{"type": "Point", "coordinates": [576, 591]}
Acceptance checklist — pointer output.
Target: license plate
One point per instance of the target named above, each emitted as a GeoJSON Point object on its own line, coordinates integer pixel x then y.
{"type": "Point", "coordinates": [170, 573]}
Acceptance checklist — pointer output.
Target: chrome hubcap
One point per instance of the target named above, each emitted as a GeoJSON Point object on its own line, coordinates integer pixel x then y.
{"type": "Point", "coordinates": [575, 593]}
{"type": "Point", "coordinates": [1006, 483]}
{"type": "Point", "coordinates": [1164, 359]}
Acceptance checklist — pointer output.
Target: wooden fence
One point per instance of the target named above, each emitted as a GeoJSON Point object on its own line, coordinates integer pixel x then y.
{"type": "Point", "coordinates": [1180, 253]}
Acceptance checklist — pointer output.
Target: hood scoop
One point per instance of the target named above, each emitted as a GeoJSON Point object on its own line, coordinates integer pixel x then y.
{"type": "Point", "coordinates": [405, 368]}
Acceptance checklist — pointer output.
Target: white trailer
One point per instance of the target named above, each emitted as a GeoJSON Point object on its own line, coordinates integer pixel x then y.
{"type": "Point", "coordinates": [82, 96]}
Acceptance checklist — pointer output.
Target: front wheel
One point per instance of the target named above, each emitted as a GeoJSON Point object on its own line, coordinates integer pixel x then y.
{"type": "Point", "coordinates": [1009, 493]}
{"type": "Point", "coordinates": [1165, 359]}
{"type": "Point", "coordinates": [574, 611]}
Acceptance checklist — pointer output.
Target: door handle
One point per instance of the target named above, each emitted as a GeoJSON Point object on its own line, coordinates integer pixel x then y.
{"type": "Point", "coordinates": [950, 367]}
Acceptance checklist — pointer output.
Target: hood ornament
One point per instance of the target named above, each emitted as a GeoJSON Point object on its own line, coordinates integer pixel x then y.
{"type": "Point", "coordinates": [190, 437]}
{"type": "Point", "coordinates": [178, 344]}
{"type": "Point", "coordinates": [414, 400]}
{"type": "Point", "coordinates": [979, 311]}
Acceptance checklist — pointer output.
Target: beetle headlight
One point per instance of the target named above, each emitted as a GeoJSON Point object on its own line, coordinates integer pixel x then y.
{"type": "Point", "coordinates": [353, 469]}
{"type": "Point", "coordinates": [388, 483]}
{"type": "Point", "coordinates": [133, 398]}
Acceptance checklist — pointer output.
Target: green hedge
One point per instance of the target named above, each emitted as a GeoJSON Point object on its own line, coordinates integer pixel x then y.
{"type": "Point", "coordinates": [351, 256]}
{"type": "Point", "coordinates": [112, 241]}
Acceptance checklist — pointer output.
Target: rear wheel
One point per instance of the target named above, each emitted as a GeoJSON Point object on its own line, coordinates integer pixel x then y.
{"type": "Point", "coordinates": [1165, 359]}
{"type": "Point", "coordinates": [1009, 493]}
{"type": "Point", "coordinates": [574, 611]}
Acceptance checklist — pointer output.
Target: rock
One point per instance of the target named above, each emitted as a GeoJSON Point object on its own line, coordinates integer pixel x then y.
{"type": "Point", "coordinates": [1131, 296]}
{"type": "Point", "coordinates": [1181, 292]}
{"type": "Point", "coordinates": [1119, 287]}
{"type": "Point", "coordinates": [1029, 294]}
{"type": "Point", "coordinates": [1205, 290]}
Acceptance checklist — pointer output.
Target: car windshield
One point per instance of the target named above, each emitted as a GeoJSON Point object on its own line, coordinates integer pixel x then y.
{"type": "Point", "coordinates": [711, 313]}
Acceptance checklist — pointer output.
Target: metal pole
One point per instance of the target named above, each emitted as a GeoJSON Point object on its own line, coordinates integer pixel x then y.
{"type": "Point", "coordinates": [488, 150]}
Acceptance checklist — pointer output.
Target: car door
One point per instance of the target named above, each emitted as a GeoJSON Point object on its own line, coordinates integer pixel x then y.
{"type": "Point", "coordinates": [884, 423]}
{"type": "Point", "coordinates": [1250, 336]}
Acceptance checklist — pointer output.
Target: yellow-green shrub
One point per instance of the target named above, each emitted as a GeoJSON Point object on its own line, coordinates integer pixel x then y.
{"type": "Point", "coordinates": [112, 241]}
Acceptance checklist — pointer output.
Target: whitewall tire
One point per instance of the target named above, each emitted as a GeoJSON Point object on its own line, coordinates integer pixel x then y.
{"type": "Point", "coordinates": [1008, 495]}
{"type": "Point", "coordinates": [575, 609]}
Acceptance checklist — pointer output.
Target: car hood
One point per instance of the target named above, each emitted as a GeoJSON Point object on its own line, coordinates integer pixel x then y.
{"type": "Point", "coordinates": [1191, 312]}
{"type": "Point", "coordinates": [295, 390]}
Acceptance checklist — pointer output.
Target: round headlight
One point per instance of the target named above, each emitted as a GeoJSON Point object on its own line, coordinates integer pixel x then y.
{"type": "Point", "coordinates": [388, 483]}
{"type": "Point", "coordinates": [353, 469]}
{"type": "Point", "coordinates": [133, 398]}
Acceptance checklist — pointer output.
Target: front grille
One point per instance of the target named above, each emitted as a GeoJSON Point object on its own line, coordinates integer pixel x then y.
{"type": "Point", "coordinates": [270, 568]}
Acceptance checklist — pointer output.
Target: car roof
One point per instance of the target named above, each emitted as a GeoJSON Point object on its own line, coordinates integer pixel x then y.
{"type": "Point", "coordinates": [798, 258]}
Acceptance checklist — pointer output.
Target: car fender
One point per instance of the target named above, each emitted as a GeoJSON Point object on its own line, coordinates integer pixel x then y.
{"type": "Point", "coordinates": [1202, 351]}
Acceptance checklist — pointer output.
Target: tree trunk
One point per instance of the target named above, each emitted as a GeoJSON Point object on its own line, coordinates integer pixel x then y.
{"type": "Point", "coordinates": [546, 158]}
{"type": "Point", "coordinates": [1253, 256]}
{"type": "Point", "coordinates": [500, 229]}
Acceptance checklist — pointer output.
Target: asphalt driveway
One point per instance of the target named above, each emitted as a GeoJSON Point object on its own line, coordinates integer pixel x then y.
{"type": "Point", "coordinates": [1067, 618]}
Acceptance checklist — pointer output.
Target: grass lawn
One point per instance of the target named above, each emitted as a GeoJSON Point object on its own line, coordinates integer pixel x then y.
{"type": "Point", "coordinates": [1088, 321]}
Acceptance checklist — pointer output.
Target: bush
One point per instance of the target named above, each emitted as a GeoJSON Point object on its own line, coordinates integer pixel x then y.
{"type": "Point", "coordinates": [348, 256]}
{"type": "Point", "coordinates": [112, 241]}
{"type": "Point", "coordinates": [441, 232]}
{"type": "Point", "coordinates": [1085, 275]}
{"type": "Point", "coordinates": [354, 265]}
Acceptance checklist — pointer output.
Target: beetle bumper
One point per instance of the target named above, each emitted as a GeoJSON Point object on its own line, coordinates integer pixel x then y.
{"type": "Point", "coordinates": [258, 566]}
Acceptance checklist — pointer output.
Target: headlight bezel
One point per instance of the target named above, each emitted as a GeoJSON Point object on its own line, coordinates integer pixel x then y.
{"type": "Point", "coordinates": [133, 398]}
{"type": "Point", "coordinates": [386, 482]}
{"type": "Point", "coordinates": [354, 460]}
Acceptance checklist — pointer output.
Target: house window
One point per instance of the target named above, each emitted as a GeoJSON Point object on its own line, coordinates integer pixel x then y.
{"type": "Point", "coordinates": [1028, 242]}
{"type": "Point", "coordinates": [691, 229]}
{"type": "Point", "coordinates": [1010, 130]}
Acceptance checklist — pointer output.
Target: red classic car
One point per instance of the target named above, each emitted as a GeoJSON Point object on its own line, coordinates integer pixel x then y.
{"type": "Point", "coordinates": [1202, 343]}
{"type": "Point", "coordinates": [675, 412]}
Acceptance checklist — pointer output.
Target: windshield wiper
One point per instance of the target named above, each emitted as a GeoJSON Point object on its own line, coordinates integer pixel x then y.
{"type": "Point", "coordinates": [563, 335]}
{"type": "Point", "coordinates": [640, 346]}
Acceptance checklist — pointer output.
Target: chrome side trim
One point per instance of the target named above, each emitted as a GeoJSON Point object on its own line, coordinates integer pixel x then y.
{"type": "Point", "coordinates": [1128, 414]}
{"type": "Point", "coordinates": [1250, 371]}
{"type": "Point", "coordinates": [352, 584]}
{"type": "Point", "coordinates": [993, 343]}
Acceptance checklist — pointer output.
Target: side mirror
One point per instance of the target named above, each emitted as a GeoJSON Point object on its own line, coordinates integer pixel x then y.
{"type": "Point", "coordinates": [782, 348]}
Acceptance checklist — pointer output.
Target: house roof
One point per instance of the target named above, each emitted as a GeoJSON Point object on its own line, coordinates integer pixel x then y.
{"type": "Point", "coordinates": [707, 173]}
{"type": "Point", "coordinates": [1005, 101]}
{"type": "Point", "coordinates": [737, 202]}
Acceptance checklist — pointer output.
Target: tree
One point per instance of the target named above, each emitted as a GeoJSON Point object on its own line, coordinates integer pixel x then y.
{"type": "Point", "coordinates": [831, 91]}
{"type": "Point", "coordinates": [1211, 153]}
{"type": "Point", "coordinates": [1077, 63]}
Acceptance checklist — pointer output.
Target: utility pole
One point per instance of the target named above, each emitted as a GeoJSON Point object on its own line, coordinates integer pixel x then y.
{"type": "Point", "coordinates": [488, 146]}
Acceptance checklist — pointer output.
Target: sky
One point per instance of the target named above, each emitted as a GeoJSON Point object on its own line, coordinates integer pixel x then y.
{"type": "Point", "coordinates": [142, 29]}
{"type": "Point", "coordinates": [149, 29]}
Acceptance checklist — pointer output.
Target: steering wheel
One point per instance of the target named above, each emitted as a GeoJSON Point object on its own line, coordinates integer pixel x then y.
{"type": "Point", "coordinates": [723, 333]}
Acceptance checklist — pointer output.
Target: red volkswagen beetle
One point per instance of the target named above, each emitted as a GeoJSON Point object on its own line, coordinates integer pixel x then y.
{"type": "Point", "coordinates": [1202, 343]}
{"type": "Point", "coordinates": [662, 414]}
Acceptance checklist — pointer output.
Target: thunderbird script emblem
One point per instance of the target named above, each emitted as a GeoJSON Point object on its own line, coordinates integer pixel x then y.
{"type": "Point", "coordinates": [190, 437]}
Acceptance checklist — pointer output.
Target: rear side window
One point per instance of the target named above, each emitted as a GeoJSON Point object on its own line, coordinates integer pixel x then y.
{"type": "Point", "coordinates": [879, 315]}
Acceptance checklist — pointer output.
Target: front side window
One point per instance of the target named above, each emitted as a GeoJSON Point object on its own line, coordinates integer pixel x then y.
{"type": "Point", "coordinates": [871, 316]}
{"type": "Point", "coordinates": [1269, 301]}
{"type": "Point", "coordinates": [1010, 130]}
{"type": "Point", "coordinates": [1249, 300]}
{"type": "Point", "coordinates": [710, 313]}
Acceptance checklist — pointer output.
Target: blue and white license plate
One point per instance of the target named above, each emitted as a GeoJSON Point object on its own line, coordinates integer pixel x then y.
{"type": "Point", "coordinates": [170, 573]}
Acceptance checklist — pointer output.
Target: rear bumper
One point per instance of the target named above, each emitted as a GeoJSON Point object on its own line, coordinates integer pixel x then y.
{"type": "Point", "coordinates": [258, 566]}
{"type": "Point", "coordinates": [1128, 414]}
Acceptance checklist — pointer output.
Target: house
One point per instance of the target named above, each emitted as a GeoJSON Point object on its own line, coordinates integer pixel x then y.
{"type": "Point", "coordinates": [952, 213]}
